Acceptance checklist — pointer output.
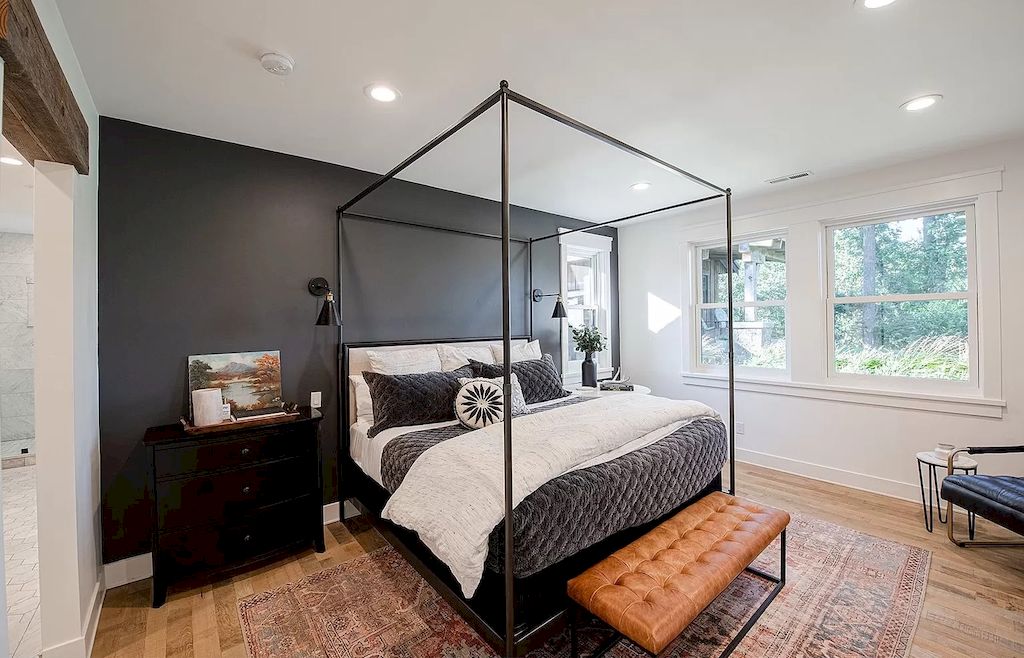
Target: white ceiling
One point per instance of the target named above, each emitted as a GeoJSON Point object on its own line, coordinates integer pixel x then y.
{"type": "Point", "coordinates": [16, 200]}
{"type": "Point", "coordinates": [737, 92]}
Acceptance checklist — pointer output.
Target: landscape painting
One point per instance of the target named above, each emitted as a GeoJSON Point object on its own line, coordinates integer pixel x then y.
{"type": "Point", "coordinates": [250, 381]}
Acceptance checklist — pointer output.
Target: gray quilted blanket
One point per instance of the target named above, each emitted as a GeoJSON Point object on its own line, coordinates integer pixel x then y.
{"type": "Point", "coordinates": [583, 507]}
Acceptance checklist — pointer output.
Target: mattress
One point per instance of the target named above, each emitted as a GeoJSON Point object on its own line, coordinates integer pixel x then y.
{"type": "Point", "coordinates": [638, 483]}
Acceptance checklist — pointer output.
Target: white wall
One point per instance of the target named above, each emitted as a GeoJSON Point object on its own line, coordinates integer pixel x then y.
{"type": "Point", "coordinates": [17, 420]}
{"type": "Point", "coordinates": [67, 425]}
{"type": "Point", "coordinates": [864, 445]}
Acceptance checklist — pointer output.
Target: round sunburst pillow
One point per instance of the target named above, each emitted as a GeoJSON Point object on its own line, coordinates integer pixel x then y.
{"type": "Point", "coordinates": [479, 403]}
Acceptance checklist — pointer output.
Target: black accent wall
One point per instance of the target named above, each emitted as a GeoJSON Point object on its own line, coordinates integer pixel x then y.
{"type": "Point", "coordinates": [206, 247]}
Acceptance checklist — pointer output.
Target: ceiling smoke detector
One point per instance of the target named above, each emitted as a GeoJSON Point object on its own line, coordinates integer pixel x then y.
{"type": "Point", "coordinates": [277, 63]}
{"type": "Point", "coordinates": [789, 177]}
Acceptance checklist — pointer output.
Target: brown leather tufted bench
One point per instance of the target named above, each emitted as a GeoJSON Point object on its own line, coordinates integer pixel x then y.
{"type": "Point", "coordinates": [653, 588]}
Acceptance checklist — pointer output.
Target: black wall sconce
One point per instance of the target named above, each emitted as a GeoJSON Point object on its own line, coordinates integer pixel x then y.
{"type": "Point", "coordinates": [328, 317]}
{"type": "Point", "coordinates": [559, 311]}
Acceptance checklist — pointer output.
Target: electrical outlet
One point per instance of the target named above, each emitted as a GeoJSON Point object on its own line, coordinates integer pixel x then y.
{"type": "Point", "coordinates": [314, 399]}
{"type": "Point", "coordinates": [740, 427]}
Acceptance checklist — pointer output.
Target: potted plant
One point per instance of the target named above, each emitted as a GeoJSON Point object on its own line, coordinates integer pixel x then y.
{"type": "Point", "coordinates": [588, 340]}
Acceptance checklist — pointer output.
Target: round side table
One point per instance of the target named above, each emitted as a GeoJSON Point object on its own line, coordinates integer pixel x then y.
{"type": "Point", "coordinates": [933, 463]}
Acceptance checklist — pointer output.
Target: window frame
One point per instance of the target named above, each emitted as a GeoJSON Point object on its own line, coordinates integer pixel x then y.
{"type": "Point", "coordinates": [697, 278]}
{"type": "Point", "coordinates": [970, 296]}
{"type": "Point", "coordinates": [597, 247]}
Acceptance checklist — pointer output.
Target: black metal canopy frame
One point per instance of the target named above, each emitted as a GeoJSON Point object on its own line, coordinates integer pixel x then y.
{"type": "Point", "coordinates": [501, 97]}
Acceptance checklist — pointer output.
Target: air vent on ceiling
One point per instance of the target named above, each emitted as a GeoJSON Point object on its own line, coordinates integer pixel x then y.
{"type": "Point", "coordinates": [786, 179]}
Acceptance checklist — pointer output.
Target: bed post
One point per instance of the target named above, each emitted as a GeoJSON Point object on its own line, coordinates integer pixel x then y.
{"type": "Point", "coordinates": [506, 321]}
{"type": "Point", "coordinates": [342, 384]}
{"type": "Point", "coordinates": [529, 285]}
{"type": "Point", "coordinates": [732, 354]}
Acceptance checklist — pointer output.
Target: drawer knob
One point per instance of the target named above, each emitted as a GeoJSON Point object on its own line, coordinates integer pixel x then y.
{"type": "Point", "coordinates": [247, 538]}
{"type": "Point", "coordinates": [245, 451]}
{"type": "Point", "coordinates": [246, 489]}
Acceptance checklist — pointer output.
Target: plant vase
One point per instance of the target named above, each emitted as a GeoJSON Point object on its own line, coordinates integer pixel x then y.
{"type": "Point", "coordinates": [589, 371]}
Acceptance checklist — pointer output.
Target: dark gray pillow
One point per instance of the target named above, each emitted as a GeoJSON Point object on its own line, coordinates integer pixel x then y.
{"type": "Point", "coordinates": [416, 399]}
{"type": "Point", "coordinates": [537, 377]}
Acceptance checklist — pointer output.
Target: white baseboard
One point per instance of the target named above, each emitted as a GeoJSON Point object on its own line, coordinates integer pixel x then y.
{"type": "Point", "coordinates": [81, 647]}
{"type": "Point", "coordinates": [71, 649]}
{"type": "Point", "coordinates": [851, 479]}
{"type": "Point", "coordinates": [140, 567]}
{"type": "Point", "coordinates": [128, 570]}
{"type": "Point", "coordinates": [95, 608]}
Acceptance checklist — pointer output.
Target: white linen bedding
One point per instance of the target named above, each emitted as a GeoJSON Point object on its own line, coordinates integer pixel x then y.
{"type": "Point", "coordinates": [454, 515]}
{"type": "Point", "coordinates": [367, 453]}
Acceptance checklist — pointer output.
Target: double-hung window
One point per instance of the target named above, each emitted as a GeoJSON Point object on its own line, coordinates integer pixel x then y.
{"type": "Point", "coordinates": [586, 293]}
{"type": "Point", "coordinates": [902, 301]}
{"type": "Point", "coordinates": [759, 304]}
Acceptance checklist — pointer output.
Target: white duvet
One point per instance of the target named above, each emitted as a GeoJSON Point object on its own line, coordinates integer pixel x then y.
{"type": "Point", "coordinates": [453, 496]}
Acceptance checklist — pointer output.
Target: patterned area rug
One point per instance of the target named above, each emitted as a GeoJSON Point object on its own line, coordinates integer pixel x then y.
{"type": "Point", "coordinates": [847, 594]}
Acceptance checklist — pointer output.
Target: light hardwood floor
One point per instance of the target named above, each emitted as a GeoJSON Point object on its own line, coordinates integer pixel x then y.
{"type": "Point", "coordinates": [974, 605]}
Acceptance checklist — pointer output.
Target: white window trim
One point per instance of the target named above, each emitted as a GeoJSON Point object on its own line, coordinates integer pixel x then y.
{"type": "Point", "coordinates": [594, 245]}
{"type": "Point", "coordinates": [694, 249]}
{"type": "Point", "coordinates": [910, 384]}
{"type": "Point", "coordinates": [962, 405]}
{"type": "Point", "coordinates": [807, 293]}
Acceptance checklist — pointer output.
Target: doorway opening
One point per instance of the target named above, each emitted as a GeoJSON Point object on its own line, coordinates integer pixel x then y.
{"type": "Point", "coordinates": [17, 403]}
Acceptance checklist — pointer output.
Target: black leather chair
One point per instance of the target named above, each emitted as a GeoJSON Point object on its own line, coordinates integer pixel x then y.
{"type": "Point", "coordinates": [998, 498]}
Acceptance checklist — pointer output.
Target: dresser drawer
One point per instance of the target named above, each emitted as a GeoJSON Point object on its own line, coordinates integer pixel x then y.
{"type": "Point", "coordinates": [200, 549]}
{"type": "Point", "coordinates": [216, 455]}
{"type": "Point", "coordinates": [213, 498]}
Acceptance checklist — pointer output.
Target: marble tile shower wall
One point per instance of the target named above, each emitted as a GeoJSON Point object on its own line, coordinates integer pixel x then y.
{"type": "Point", "coordinates": [17, 419]}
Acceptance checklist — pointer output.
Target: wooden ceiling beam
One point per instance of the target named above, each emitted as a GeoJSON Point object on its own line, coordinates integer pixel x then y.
{"type": "Point", "coordinates": [41, 117]}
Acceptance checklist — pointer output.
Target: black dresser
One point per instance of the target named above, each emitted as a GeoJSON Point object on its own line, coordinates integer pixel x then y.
{"type": "Point", "coordinates": [227, 499]}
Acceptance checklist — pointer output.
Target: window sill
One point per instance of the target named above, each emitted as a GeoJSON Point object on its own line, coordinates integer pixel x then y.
{"type": "Point", "coordinates": [962, 405]}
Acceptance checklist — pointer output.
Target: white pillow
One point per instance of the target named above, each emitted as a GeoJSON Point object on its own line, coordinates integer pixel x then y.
{"type": "Point", "coordinates": [519, 407]}
{"type": "Point", "coordinates": [404, 362]}
{"type": "Point", "coordinates": [528, 352]}
{"type": "Point", "coordinates": [454, 357]}
{"type": "Point", "coordinates": [478, 404]}
{"type": "Point", "coordinates": [364, 405]}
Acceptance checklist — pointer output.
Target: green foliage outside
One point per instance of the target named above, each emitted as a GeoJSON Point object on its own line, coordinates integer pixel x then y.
{"type": "Point", "coordinates": [762, 277]}
{"type": "Point", "coordinates": [891, 338]}
{"type": "Point", "coordinates": [943, 357]}
{"type": "Point", "coordinates": [908, 338]}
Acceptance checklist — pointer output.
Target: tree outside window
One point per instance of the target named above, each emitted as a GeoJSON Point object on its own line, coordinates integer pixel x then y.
{"type": "Point", "coordinates": [900, 300]}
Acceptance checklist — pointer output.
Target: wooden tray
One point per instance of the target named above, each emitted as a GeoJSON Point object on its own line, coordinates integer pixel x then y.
{"type": "Point", "coordinates": [227, 425]}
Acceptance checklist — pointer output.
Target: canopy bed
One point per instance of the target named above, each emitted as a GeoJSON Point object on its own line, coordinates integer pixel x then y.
{"type": "Point", "coordinates": [443, 494]}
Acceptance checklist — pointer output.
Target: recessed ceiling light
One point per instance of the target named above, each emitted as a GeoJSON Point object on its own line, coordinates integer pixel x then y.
{"type": "Point", "coordinates": [877, 4]}
{"type": "Point", "coordinates": [277, 63]}
{"type": "Point", "coordinates": [640, 186]}
{"type": "Point", "coordinates": [11, 161]}
{"type": "Point", "coordinates": [382, 93]}
{"type": "Point", "coordinates": [921, 103]}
